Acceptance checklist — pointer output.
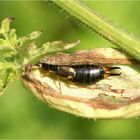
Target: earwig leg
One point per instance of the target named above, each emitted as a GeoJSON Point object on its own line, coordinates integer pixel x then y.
{"type": "Point", "coordinates": [59, 84]}
{"type": "Point", "coordinates": [45, 73]}
{"type": "Point", "coordinates": [71, 85]}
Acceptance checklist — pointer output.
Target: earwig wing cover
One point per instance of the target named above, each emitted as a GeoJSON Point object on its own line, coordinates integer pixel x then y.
{"type": "Point", "coordinates": [112, 97]}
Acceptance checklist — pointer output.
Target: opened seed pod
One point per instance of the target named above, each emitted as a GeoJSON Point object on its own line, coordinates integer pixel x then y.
{"type": "Point", "coordinates": [107, 85]}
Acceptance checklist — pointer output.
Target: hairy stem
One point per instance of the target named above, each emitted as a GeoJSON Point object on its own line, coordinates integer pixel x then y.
{"type": "Point", "coordinates": [102, 26]}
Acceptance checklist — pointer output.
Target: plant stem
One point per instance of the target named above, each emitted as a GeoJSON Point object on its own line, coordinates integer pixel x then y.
{"type": "Point", "coordinates": [101, 25]}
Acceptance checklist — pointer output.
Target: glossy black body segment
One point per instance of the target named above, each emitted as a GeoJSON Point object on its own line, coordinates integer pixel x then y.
{"type": "Point", "coordinates": [88, 74]}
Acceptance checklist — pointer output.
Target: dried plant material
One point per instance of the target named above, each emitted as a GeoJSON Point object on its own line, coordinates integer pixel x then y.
{"type": "Point", "coordinates": [34, 53]}
{"type": "Point", "coordinates": [96, 56]}
{"type": "Point", "coordinates": [112, 97]}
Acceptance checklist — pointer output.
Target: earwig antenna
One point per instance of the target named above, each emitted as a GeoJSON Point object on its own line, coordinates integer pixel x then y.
{"type": "Point", "coordinates": [38, 65]}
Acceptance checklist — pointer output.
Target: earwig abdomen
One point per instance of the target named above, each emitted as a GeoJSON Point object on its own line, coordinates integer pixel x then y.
{"type": "Point", "coordinates": [88, 74]}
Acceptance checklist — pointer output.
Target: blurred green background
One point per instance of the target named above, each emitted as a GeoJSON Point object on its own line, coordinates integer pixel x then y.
{"type": "Point", "coordinates": [24, 116]}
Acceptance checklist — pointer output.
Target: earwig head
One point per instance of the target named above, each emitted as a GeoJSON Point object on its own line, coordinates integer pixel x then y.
{"type": "Point", "coordinates": [49, 67]}
{"type": "Point", "coordinates": [45, 66]}
{"type": "Point", "coordinates": [112, 71]}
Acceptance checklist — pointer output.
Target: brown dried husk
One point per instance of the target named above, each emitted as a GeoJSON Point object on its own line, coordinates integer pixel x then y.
{"type": "Point", "coordinates": [112, 97]}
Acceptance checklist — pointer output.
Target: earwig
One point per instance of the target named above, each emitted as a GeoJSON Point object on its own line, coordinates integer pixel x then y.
{"type": "Point", "coordinates": [82, 74]}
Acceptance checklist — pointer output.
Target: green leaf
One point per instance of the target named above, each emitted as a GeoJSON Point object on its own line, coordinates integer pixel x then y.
{"type": "Point", "coordinates": [1, 87]}
{"type": "Point", "coordinates": [4, 81]}
{"type": "Point", "coordinates": [1, 31]}
{"type": "Point", "coordinates": [34, 54]}
{"type": "Point", "coordinates": [5, 65]}
{"type": "Point", "coordinates": [5, 25]}
{"type": "Point", "coordinates": [12, 37]}
{"type": "Point", "coordinates": [56, 46]}
{"type": "Point", "coordinates": [7, 74]}
{"type": "Point", "coordinates": [29, 37]}
{"type": "Point", "coordinates": [4, 45]}
{"type": "Point", "coordinates": [2, 42]}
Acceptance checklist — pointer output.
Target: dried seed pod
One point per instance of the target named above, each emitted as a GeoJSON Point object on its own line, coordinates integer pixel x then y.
{"type": "Point", "coordinates": [112, 97]}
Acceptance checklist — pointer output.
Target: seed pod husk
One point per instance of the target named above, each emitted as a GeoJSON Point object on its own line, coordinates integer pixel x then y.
{"type": "Point", "coordinates": [112, 97]}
